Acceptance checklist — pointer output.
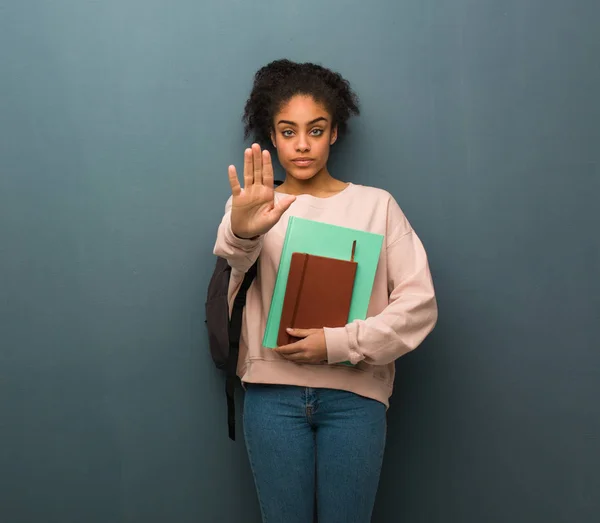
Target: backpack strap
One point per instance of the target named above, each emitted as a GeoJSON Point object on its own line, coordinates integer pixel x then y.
{"type": "Point", "coordinates": [235, 331]}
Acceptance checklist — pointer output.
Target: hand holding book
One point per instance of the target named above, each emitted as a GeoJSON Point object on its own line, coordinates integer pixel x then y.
{"type": "Point", "coordinates": [311, 347]}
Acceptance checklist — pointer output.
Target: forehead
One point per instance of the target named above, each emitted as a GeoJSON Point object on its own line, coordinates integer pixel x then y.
{"type": "Point", "coordinates": [301, 109]}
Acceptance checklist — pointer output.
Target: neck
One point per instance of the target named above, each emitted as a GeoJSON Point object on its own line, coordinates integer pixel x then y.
{"type": "Point", "coordinates": [321, 184]}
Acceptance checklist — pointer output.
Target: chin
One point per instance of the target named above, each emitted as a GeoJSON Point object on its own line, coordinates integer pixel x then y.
{"type": "Point", "coordinates": [302, 174]}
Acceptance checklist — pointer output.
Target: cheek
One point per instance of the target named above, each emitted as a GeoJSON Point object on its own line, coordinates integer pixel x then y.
{"type": "Point", "coordinates": [321, 149]}
{"type": "Point", "coordinates": [285, 150]}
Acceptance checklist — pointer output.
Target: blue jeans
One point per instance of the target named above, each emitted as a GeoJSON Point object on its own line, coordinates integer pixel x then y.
{"type": "Point", "coordinates": [308, 445]}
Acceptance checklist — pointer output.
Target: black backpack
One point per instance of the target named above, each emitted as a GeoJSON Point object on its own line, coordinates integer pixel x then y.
{"type": "Point", "coordinates": [223, 332]}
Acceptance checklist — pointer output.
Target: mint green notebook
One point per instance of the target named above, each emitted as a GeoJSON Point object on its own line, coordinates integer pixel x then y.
{"type": "Point", "coordinates": [333, 241]}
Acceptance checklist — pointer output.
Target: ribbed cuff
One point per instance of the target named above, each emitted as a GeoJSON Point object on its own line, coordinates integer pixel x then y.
{"type": "Point", "coordinates": [338, 350]}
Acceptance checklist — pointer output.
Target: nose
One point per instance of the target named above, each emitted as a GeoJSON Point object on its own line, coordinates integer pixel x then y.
{"type": "Point", "coordinates": [303, 144]}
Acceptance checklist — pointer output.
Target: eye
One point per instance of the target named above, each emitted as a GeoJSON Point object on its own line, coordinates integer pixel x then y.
{"type": "Point", "coordinates": [287, 133]}
{"type": "Point", "coordinates": [317, 132]}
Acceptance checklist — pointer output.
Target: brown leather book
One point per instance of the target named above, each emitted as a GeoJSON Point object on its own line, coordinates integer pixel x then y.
{"type": "Point", "coordinates": [318, 294]}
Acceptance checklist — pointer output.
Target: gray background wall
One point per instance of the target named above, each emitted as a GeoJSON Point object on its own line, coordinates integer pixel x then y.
{"type": "Point", "coordinates": [117, 122]}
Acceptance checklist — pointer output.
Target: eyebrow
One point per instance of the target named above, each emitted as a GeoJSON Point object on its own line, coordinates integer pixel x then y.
{"type": "Point", "coordinates": [319, 119]}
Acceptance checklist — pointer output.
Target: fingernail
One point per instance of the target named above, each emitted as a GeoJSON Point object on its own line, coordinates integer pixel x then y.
{"type": "Point", "coordinates": [289, 330]}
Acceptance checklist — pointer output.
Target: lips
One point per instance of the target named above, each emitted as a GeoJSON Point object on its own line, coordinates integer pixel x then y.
{"type": "Point", "coordinates": [302, 162]}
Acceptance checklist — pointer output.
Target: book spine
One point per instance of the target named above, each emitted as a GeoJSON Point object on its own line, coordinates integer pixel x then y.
{"type": "Point", "coordinates": [272, 327]}
{"type": "Point", "coordinates": [299, 293]}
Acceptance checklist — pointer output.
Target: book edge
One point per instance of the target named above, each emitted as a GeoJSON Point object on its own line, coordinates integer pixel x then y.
{"type": "Point", "coordinates": [278, 283]}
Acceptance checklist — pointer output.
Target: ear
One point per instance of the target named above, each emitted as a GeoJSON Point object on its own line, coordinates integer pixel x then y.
{"type": "Point", "coordinates": [334, 135]}
{"type": "Point", "coordinates": [273, 139]}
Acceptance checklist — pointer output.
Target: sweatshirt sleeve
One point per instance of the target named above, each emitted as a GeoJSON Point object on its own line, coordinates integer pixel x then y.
{"type": "Point", "coordinates": [239, 253]}
{"type": "Point", "coordinates": [411, 313]}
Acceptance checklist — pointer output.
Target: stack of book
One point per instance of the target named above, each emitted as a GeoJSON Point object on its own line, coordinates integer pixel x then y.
{"type": "Point", "coordinates": [325, 278]}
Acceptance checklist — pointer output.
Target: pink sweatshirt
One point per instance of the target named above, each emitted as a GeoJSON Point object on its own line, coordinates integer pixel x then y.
{"type": "Point", "coordinates": [402, 310]}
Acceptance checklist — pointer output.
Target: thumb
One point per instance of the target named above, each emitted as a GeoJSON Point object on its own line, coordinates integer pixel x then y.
{"type": "Point", "coordinates": [301, 333]}
{"type": "Point", "coordinates": [283, 204]}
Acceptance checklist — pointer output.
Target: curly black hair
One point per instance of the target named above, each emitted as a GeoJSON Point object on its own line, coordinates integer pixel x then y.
{"type": "Point", "coordinates": [280, 80]}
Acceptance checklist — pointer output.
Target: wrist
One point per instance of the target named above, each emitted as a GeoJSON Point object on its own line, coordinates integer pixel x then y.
{"type": "Point", "coordinates": [240, 234]}
{"type": "Point", "coordinates": [239, 237]}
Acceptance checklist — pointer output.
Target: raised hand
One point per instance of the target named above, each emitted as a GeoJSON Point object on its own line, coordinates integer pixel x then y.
{"type": "Point", "coordinates": [254, 210]}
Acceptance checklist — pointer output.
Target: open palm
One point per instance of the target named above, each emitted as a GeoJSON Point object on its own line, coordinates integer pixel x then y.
{"type": "Point", "coordinates": [254, 210]}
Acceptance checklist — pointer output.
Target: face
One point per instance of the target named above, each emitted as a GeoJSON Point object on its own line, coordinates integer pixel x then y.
{"type": "Point", "coordinates": [302, 135]}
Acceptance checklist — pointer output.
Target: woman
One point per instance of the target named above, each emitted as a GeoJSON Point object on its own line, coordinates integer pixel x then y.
{"type": "Point", "coordinates": [315, 428]}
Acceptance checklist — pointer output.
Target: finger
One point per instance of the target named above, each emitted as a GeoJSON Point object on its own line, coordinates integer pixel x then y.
{"type": "Point", "coordinates": [267, 170]}
{"type": "Point", "coordinates": [288, 350]}
{"type": "Point", "coordinates": [303, 357]}
{"type": "Point", "coordinates": [248, 166]}
{"type": "Point", "coordinates": [257, 156]}
{"type": "Point", "coordinates": [301, 333]}
{"type": "Point", "coordinates": [292, 348]}
{"type": "Point", "coordinates": [297, 357]}
{"type": "Point", "coordinates": [234, 181]}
